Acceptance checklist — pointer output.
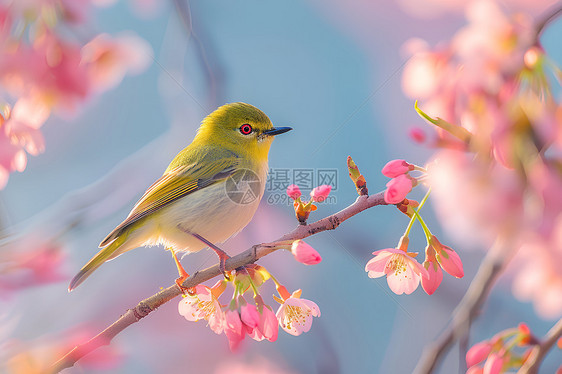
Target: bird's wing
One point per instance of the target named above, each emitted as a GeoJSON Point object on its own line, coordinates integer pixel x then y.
{"type": "Point", "coordinates": [175, 184]}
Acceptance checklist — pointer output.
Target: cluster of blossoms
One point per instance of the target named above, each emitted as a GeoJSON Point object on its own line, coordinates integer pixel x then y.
{"type": "Point", "coordinates": [240, 318]}
{"type": "Point", "coordinates": [303, 208]}
{"type": "Point", "coordinates": [498, 354]}
{"type": "Point", "coordinates": [496, 175]}
{"type": "Point", "coordinates": [21, 267]}
{"type": "Point", "coordinates": [403, 272]}
{"type": "Point", "coordinates": [43, 71]}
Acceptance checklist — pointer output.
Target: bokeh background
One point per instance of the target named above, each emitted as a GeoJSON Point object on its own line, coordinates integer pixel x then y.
{"type": "Point", "coordinates": [332, 71]}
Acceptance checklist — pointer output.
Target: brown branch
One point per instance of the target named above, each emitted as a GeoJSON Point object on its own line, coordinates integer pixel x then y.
{"type": "Point", "coordinates": [549, 16]}
{"type": "Point", "coordinates": [465, 312]}
{"type": "Point", "coordinates": [534, 361]}
{"type": "Point", "coordinates": [249, 256]}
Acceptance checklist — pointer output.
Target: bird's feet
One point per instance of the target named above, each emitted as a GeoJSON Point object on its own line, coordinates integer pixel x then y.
{"type": "Point", "coordinates": [223, 256]}
{"type": "Point", "coordinates": [189, 290]}
{"type": "Point", "coordinates": [183, 276]}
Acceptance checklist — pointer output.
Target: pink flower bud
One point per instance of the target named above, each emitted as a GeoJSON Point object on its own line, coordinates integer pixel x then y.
{"type": "Point", "coordinates": [398, 188]}
{"type": "Point", "coordinates": [477, 353]}
{"type": "Point", "coordinates": [304, 253]}
{"type": "Point", "coordinates": [431, 284]}
{"type": "Point", "coordinates": [493, 364]}
{"type": "Point", "coordinates": [448, 258]}
{"type": "Point", "coordinates": [320, 193]}
{"type": "Point", "coordinates": [294, 191]}
{"type": "Point", "coordinates": [395, 168]}
{"type": "Point", "coordinates": [475, 370]}
{"type": "Point", "coordinates": [234, 329]}
{"type": "Point", "coordinates": [250, 316]}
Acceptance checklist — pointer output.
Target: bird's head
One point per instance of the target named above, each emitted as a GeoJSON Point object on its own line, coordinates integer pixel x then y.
{"type": "Point", "coordinates": [240, 127]}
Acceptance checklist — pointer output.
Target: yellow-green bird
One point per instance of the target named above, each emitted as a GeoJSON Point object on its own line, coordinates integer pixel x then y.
{"type": "Point", "coordinates": [209, 192]}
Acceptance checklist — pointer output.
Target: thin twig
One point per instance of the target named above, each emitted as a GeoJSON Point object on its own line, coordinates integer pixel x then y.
{"type": "Point", "coordinates": [465, 312]}
{"type": "Point", "coordinates": [534, 361]}
{"type": "Point", "coordinates": [551, 14]}
{"type": "Point", "coordinates": [249, 256]}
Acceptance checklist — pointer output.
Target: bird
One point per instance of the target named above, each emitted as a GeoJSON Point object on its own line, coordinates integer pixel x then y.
{"type": "Point", "coordinates": [208, 193]}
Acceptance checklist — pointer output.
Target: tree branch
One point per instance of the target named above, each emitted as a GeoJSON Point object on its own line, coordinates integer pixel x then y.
{"type": "Point", "coordinates": [465, 312]}
{"type": "Point", "coordinates": [146, 306]}
{"type": "Point", "coordinates": [534, 361]}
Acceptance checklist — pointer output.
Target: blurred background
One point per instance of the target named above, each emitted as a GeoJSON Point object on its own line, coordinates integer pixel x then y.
{"type": "Point", "coordinates": [329, 69]}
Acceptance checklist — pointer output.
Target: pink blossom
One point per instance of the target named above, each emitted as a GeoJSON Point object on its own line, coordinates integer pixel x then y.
{"type": "Point", "coordinates": [203, 305]}
{"type": "Point", "coordinates": [493, 364]}
{"type": "Point", "coordinates": [475, 370]}
{"type": "Point", "coordinates": [294, 191]}
{"type": "Point", "coordinates": [268, 325]}
{"type": "Point", "coordinates": [109, 59]}
{"type": "Point", "coordinates": [402, 271]}
{"type": "Point", "coordinates": [320, 193]}
{"type": "Point", "coordinates": [19, 133]}
{"type": "Point", "coordinates": [448, 258]}
{"type": "Point", "coordinates": [537, 272]}
{"type": "Point", "coordinates": [477, 353]}
{"type": "Point", "coordinates": [395, 168]}
{"type": "Point", "coordinates": [398, 188]}
{"type": "Point", "coordinates": [491, 196]}
{"type": "Point", "coordinates": [234, 329]}
{"type": "Point", "coordinates": [249, 315]}
{"type": "Point", "coordinates": [295, 314]}
{"type": "Point", "coordinates": [431, 283]}
{"type": "Point", "coordinates": [304, 253]}
{"type": "Point", "coordinates": [22, 268]}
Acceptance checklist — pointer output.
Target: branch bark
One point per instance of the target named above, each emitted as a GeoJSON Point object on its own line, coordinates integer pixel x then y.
{"type": "Point", "coordinates": [251, 255]}
{"type": "Point", "coordinates": [533, 363]}
{"type": "Point", "coordinates": [465, 312]}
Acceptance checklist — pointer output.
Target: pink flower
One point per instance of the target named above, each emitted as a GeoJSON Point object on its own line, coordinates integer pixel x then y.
{"type": "Point", "coordinates": [448, 258]}
{"type": "Point", "coordinates": [493, 364]}
{"type": "Point", "coordinates": [295, 314]}
{"type": "Point", "coordinates": [431, 283]}
{"type": "Point", "coordinates": [395, 168]}
{"type": "Point", "coordinates": [22, 268]}
{"type": "Point", "coordinates": [203, 305]}
{"type": "Point", "coordinates": [398, 188]}
{"type": "Point", "coordinates": [268, 325]}
{"type": "Point", "coordinates": [477, 353]}
{"type": "Point", "coordinates": [108, 59]}
{"type": "Point", "coordinates": [475, 370]}
{"type": "Point", "coordinates": [234, 329]}
{"type": "Point", "coordinates": [320, 193]}
{"type": "Point", "coordinates": [402, 271]}
{"type": "Point", "coordinates": [294, 191]}
{"type": "Point", "coordinates": [19, 131]}
{"type": "Point", "coordinates": [304, 253]}
{"type": "Point", "coordinates": [250, 316]}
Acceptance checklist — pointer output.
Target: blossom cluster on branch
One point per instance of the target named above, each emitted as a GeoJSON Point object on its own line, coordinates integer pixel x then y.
{"type": "Point", "coordinates": [496, 174]}
{"type": "Point", "coordinates": [44, 68]}
{"type": "Point", "coordinates": [258, 321]}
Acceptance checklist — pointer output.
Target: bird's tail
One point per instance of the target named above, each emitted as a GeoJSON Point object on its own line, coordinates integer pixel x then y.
{"type": "Point", "coordinates": [106, 254]}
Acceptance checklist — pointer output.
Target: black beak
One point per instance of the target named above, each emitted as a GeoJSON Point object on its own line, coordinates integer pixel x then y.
{"type": "Point", "coordinates": [276, 131]}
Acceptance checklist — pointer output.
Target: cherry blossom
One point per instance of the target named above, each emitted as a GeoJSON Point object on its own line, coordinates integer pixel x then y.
{"type": "Point", "coordinates": [203, 304]}
{"type": "Point", "coordinates": [398, 188]}
{"type": "Point", "coordinates": [402, 271]}
{"type": "Point", "coordinates": [304, 253]}
{"type": "Point", "coordinates": [295, 314]}
{"type": "Point", "coordinates": [320, 193]}
{"type": "Point", "coordinates": [394, 168]}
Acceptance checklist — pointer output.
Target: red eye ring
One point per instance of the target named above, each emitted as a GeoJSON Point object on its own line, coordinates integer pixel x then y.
{"type": "Point", "coordinates": [246, 129]}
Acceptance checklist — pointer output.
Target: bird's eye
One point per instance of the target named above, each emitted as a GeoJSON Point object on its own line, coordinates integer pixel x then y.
{"type": "Point", "coordinates": [246, 129]}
